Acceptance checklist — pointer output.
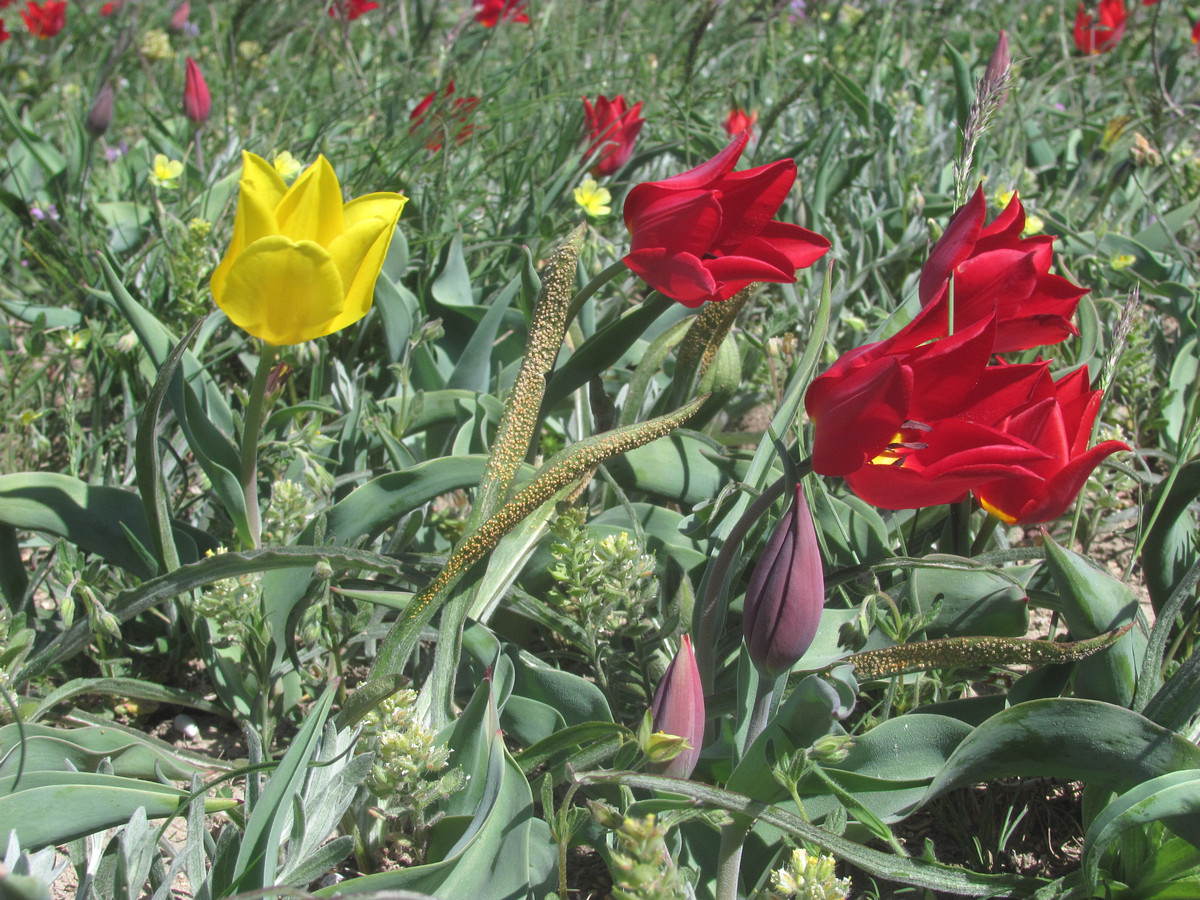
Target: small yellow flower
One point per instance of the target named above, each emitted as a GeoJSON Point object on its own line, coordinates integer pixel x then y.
{"type": "Point", "coordinates": [165, 171]}
{"type": "Point", "coordinates": [1122, 260]}
{"type": "Point", "coordinates": [156, 45]}
{"type": "Point", "coordinates": [594, 199]}
{"type": "Point", "coordinates": [287, 165]}
{"type": "Point", "coordinates": [1003, 198]}
{"type": "Point", "coordinates": [1033, 225]}
{"type": "Point", "coordinates": [78, 340]}
{"type": "Point", "coordinates": [29, 416]}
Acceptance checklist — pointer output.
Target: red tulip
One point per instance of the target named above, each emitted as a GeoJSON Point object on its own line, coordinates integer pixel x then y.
{"type": "Point", "coordinates": [440, 121]}
{"type": "Point", "coordinates": [350, 9]}
{"type": "Point", "coordinates": [613, 127]}
{"type": "Point", "coordinates": [489, 12]}
{"type": "Point", "coordinates": [708, 233]}
{"type": "Point", "coordinates": [1098, 36]}
{"type": "Point", "coordinates": [179, 18]}
{"type": "Point", "coordinates": [912, 424]}
{"type": "Point", "coordinates": [45, 20]}
{"type": "Point", "coordinates": [786, 593]}
{"type": "Point", "coordinates": [109, 8]}
{"type": "Point", "coordinates": [737, 121]}
{"type": "Point", "coordinates": [1196, 33]}
{"type": "Point", "coordinates": [678, 709]}
{"type": "Point", "coordinates": [1058, 419]}
{"type": "Point", "coordinates": [995, 270]}
{"type": "Point", "coordinates": [196, 101]}
{"type": "Point", "coordinates": [4, 35]}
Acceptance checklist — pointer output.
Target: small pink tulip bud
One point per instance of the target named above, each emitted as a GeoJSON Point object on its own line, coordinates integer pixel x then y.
{"type": "Point", "coordinates": [196, 101]}
{"type": "Point", "coordinates": [786, 592]}
{"type": "Point", "coordinates": [100, 116]}
{"type": "Point", "coordinates": [678, 710]}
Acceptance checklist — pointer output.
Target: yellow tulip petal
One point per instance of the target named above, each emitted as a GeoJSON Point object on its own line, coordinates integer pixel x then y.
{"type": "Point", "coordinates": [282, 291]}
{"type": "Point", "coordinates": [254, 220]}
{"type": "Point", "coordinates": [359, 255]}
{"type": "Point", "coordinates": [262, 178]}
{"type": "Point", "coordinates": [382, 205]}
{"type": "Point", "coordinates": [311, 210]}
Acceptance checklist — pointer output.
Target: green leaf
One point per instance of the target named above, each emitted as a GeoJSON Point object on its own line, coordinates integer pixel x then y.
{"type": "Point", "coordinates": [1094, 602]}
{"type": "Point", "coordinates": [46, 749]}
{"type": "Point", "coordinates": [149, 467]}
{"type": "Point", "coordinates": [120, 687]}
{"type": "Point", "coordinates": [89, 516]}
{"type": "Point", "coordinates": [1100, 744]}
{"type": "Point", "coordinates": [452, 286]}
{"type": "Point", "coordinates": [973, 602]}
{"type": "Point", "coordinates": [1172, 544]}
{"type": "Point", "coordinates": [474, 369]}
{"type": "Point", "coordinates": [683, 468]}
{"type": "Point", "coordinates": [1173, 799]}
{"type": "Point", "coordinates": [50, 808]}
{"type": "Point", "coordinates": [258, 856]}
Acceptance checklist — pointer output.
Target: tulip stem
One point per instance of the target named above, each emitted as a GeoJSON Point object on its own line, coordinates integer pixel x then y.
{"type": "Point", "coordinates": [592, 286]}
{"type": "Point", "coordinates": [729, 860]}
{"type": "Point", "coordinates": [250, 429]}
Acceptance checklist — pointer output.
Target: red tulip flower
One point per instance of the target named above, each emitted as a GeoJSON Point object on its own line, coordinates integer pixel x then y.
{"type": "Point", "coordinates": [432, 117]}
{"type": "Point", "coordinates": [1097, 35]}
{"type": "Point", "coordinates": [1057, 419]}
{"type": "Point", "coordinates": [350, 9]}
{"type": "Point", "coordinates": [708, 233]}
{"type": "Point", "coordinates": [910, 423]}
{"type": "Point", "coordinates": [4, 35]}
{"type": "Point", "coordinates": [45, 20]}
{"type": "Point", "coordinates": [109, 8]}
{"type": "Point", "coordinates": [489, 13]}
{"type": "Point", "coordinates": [737, 121]}
{"type": "Point", "coordinates": [197, 103]}
{"type": "Point", "coordinates": [179, 18]}
{"type": "Point", "coordinates": [1196, 33]}
{"type": "Point", "coordinates": [613, 127]}
{"type": "Point", "coordinates": [678, 709]}
{"type": "Point", "coordinates": [995, 270]}
{"type": "Point", "coordinates": [786, 593]}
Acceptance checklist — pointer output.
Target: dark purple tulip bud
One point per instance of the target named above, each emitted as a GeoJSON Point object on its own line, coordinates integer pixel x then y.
{"type": "Point", "coordinates": [100, 116]}
{"type": "Point", "coordinates": [786, 592]}
{"type": "Point", "coordinates": [678, 710]}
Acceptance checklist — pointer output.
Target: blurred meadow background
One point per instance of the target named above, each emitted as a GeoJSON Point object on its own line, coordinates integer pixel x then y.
{"type": "Point", "coordinates": [194, 708]}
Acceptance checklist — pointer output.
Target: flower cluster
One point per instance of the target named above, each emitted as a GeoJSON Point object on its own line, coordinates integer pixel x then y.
{"type": "Point", "coordinates": [930, 414]}
{"type": "Point", "coordinates": [709, 232]}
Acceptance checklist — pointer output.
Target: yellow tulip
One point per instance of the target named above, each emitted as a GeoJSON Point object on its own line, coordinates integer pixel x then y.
{"type": "Point", "coordinates": [301, 263]}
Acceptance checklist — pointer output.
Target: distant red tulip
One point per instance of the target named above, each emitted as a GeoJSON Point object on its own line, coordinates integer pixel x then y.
{"type": "Point", "coordinates": [434, 120]}
{"type": "Point", "coordinates": [1196, 33]}
{"type": "Point", "coordinates": [1102, 34]}
{"type": "Point", "coordinates": [1058, 420]}
{"type": "Point", "coordinates": [489, 13]}
{"type": "Point", "coordinates": [4, 35]}
{"type": "Point", "coordinates": [995, 270]}
{"type": "Point", "coordinates": [109, 8]}
{"type": "Point", "coordinates": [350, 9]}
{"type": "Point", "coordinates": [45, 20]}
{"type": "Point", "coordinates": [196, 101]}
{"type": "Point", "coordinates": [179, 18]}
{"type": "Point", "coordinates": [678, 709]}
{"type": "Point", "coordinates": [709, 232]}
{"type": "Point", "coordinates": [613, 127]}
{"type": "Point", "coordinates": [737, 121]}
